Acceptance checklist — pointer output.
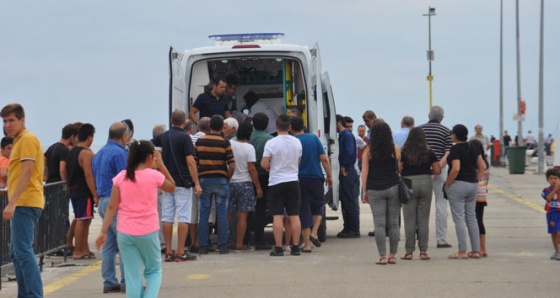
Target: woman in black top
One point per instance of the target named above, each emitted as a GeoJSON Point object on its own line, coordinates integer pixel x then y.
{"type": "Point", "coordinates": [380, 187]}
{"type": "Point", "coordinates": [418, 163]}
{"type": "Point", "coordinates": [465, 162]}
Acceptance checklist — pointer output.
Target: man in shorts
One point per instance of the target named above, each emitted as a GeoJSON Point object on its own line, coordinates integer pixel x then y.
{"type": "Point", "coordinates": [311, 182]}
{"type": "Point", "coordinates": [177, 151]}
{"type": "Point", "coordinates": [82, 191]}
{"type": "Point", "coordinates": [281, 158]}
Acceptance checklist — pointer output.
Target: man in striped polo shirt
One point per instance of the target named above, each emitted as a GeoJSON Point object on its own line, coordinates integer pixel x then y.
{"type": "Point", "coordinates": [216, 165]}
{"type": "Point", "coordinates": [439, 140]}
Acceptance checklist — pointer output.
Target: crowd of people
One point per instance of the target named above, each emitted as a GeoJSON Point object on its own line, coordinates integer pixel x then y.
{"type": "Point", "coordinates": [231, 174]}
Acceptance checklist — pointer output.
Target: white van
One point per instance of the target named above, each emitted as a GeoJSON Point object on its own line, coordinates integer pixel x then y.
{"type": "Point", "coordinates": [284, 76]}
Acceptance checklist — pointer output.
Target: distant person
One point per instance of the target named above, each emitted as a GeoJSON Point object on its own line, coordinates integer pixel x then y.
{"type": "Point", "coordinates": [178, 157]}
{"type": "Point", "coordinates": [134, 195]}
{"type": "Point", "coordinates": [6, 150]}
{"type": "Point", "coordinates": [530, 140]}
{"type": "Point", "coordinates": [466, 167]}
{"type": "Point", "coordinates": [230, 128]}
{"type": "Point", "coordinates": [368, 117]}
{"type": "Point", "coordinates": [439, 141]}
{"type": "Point", "coordinates": [55, 156]}
{"type": "Point", "coordinates": [81, 189]}
{"type": "Point", "coordinates": [399, 137]}
{"type": "Point", "coordinates": [258, 139]}
{"type": "Point", "coordinates": [552, 208]}
{"type": "Point", "coordinates": [481, 137]}
{"type": "Point", "coordinates": [360, 145]}
{"type": "Point", "coordinates": [548, 144]}
{"type": "Point", "coordinates": [311, 182]}
{"type": "Point", "coordinates": [492, 139]}
{"type": "Point", "coordinates": [481, 198]}
{"type": "Point", "coordinates": [203, 129]}
{"type": "Point", "coordinates": [25, 199]}
{"type": "Point", "coordinates": [232, 81]}
{"type": "Point", "coordinates": [129, 132]}
{"type": "Point", "coordinates": [157, 130]}
{"type": "Point", "coordinates": [347, 177]}
{"type": "Point", "coordinates": [245, 187]}
{"type": "Point", "coordinates": [281, 158]}
{"type": "Point", "coordinates": [189, 127]}
{"type": "Point", "coordinates": [506, 139]}
{"type": "Point", "coordinates": [109, 161]}
{"type": "Point", "coordinates": [216, 165]}
{"type": "Point", "coordinates": [255, 106]}
{"type": "Point", "coordinates": [418, 163]}
{"type": "Point", "coordinates": [211, 103]}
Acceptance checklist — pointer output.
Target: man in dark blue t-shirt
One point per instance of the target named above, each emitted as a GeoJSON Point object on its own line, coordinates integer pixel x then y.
{"type": "Point", "coordinates": [212, 103]}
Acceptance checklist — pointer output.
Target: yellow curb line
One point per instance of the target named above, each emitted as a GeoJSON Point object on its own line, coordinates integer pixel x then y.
{"type": "Point", "coordinates": [51, 288]}
{"type": "Point", "coordinates": [516, 198]}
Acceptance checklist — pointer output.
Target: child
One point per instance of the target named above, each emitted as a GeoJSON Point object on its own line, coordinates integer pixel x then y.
{"type": "Point", "coordinates": [134, 194]}
{"type": "Point", "coordinates": [550, 194]}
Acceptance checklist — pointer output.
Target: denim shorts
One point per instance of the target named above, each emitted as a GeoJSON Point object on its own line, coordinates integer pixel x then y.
{"type": "Point", "coordinates": [180, 202]}
{"type": "Point", "coordinates": [241, 197]}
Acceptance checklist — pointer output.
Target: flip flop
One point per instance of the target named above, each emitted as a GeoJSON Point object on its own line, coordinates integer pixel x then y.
{"type": "Point", "coordinates": [457, 257]}
{"type": "Point", "coordinates": [392, 260]}
{"type": "Point", "coordinates": [306, 250]}
{"type": "Point", "coordinates": [473, 255]}
{"type": "Point", "coordinates": [424, 256]}
{"type": "Point", "coordinates": [84, 257]}
{"type": "Point", "coordinates": [408, 256]}
{"type": "Point", "coordinates": [382, 261]}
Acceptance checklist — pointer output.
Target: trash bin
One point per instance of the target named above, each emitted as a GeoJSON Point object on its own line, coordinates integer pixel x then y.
{"type": "Point", "coordinates": [516, 158]}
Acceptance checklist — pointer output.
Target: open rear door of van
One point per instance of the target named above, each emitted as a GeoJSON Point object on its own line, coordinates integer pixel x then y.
{"type": "Point", "coordinates": [177, 88]}
{"type": "Point", "coordinates": [329, 116]}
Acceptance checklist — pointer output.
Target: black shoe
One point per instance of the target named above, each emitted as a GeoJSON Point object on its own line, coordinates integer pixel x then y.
{"type": "Point", "coordinates": [343, 232]}
{"type": "Point", "coordinates": [170, 257]}
{"type": "Point", "coordinates": [203, 250]}
{"type": "Point", "coordinates": [294, 251]}
{"type": "Point", "coordinates": [445, 245]}
{"type": "Point", "coordinates": [263, 247]}
{"type": "Point", "coordinates": [315, 241]}
{"type": "Point", "coordinates": [371, 234]}
{"type": "Point", "coordinates": [112, 289]}
{"type": "Point", "coordinates": [349, 235]}
{"type": "Point", "coordinates": [223, 250]}
{"type": "Point", "coordinates": [123, 289]}
{"type": "Point", "coordinates": [278, 251]}
{"type": "Point", "coordinates": [185, 257]}
{"type": "Point", "coordinates": [163, 250]}
{"type": "Point", "coordinates": [193, 249]}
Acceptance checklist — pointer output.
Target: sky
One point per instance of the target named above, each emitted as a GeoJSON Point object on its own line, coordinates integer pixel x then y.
{"type": "Point", "coordinates": [104, 61]}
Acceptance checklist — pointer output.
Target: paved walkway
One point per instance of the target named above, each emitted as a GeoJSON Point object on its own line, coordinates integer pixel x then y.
{"type": "Point", "coordinates": [518, 264]}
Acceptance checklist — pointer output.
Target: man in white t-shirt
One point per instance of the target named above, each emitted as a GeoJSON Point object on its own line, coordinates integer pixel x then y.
{"type": "Point", "coordinates": [242, 197]}
{"type": "Point", "coordinates": [257, 106]}
{"type": "Point", "coordinates": [281, 158]}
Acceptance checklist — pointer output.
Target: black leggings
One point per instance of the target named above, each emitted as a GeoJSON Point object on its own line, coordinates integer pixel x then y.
{"type": "Point", "coordinates": [479, 209]}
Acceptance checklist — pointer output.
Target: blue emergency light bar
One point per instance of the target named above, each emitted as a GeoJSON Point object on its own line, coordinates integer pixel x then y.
{"type": "Point", "coordinates": [245, 37]}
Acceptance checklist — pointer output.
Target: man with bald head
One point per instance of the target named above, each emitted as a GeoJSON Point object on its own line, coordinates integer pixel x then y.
{"type": "Point", "coordinates": [106, 164]}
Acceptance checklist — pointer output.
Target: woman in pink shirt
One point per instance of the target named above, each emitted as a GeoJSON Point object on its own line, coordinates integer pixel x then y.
{"type": "Point", "coordinates": [134, 194]}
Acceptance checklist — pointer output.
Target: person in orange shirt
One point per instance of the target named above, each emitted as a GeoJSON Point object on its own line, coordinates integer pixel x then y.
{"type": "Point", "coordinates": [6, 146]}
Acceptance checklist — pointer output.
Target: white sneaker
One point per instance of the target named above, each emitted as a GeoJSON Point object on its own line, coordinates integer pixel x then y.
{"type": "Point", "coordinates": [555, 256]}
{"type": "Point", "coordinates": [286, 248]}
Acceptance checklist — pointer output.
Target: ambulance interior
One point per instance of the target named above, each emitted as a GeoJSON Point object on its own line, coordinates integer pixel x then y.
{"type": "Point", "coordinates": [279, 82]}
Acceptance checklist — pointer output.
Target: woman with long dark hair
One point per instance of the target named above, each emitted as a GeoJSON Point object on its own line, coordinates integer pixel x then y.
{"type": "Point", "coordinates": [380, 187]}
{"type": "Point", "coordinates": [465, 164]}
{"type": "Point", "coordinates": [418, 163]}
{"type": "Point", "coordinates": [134, 194]}
{"type": "Point", "coordinates": [481, 197]}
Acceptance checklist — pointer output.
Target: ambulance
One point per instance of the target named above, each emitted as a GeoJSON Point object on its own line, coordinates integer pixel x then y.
{"type": "Point", "coordinates": [285, 77]}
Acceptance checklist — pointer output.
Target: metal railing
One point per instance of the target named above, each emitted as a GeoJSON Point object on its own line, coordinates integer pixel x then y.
{"type": "Point", "coordinates": [50, 231]}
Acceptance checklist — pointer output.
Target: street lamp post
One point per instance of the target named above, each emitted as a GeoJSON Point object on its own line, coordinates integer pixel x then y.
{"type": "Point", "coordinates": [541, 162]}
{"type": "Point", "coordinates": [430, 53]}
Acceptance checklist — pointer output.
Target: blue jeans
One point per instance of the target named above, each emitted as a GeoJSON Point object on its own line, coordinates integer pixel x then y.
{"type": "Point", "coordinates": [110, 250]}
{"type": "Point", "coordinates": [142, 257]}
{"type": "Point", "coordinates": [21, 251]}
{"type": "Point", "coordinates": [349, 201]}
{"type": "Point", "coordinates": [219, 188]}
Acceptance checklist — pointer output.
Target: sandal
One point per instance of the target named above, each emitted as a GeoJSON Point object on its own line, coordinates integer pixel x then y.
{"type": "Point", "coordinates": [483, 254]}
{"type": "Point", "coordinates": [382, 261]}
{"type": "Point", "coordinates": [457, 256]}
{"type": "Point", "coordinates": [424, 256]}
{"type": "Point", "coordinates": [473, 255]}
{"type": "Point", "coordinates": [392, 260]}
{"type": "Point", "coordinates": [408, 256]}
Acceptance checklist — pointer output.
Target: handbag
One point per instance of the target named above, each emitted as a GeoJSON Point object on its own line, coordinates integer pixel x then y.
{"type": "Point", "coordinates": [405, 186]}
